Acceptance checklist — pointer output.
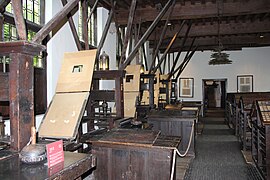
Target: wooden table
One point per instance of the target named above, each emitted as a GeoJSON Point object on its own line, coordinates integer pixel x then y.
{"type": "Point", "coordinates": [74, 166]}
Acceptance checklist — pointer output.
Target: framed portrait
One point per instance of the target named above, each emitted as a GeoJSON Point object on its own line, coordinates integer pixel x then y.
{"type": "Point", "coordinates": [245, 83]}
{"type": "Point", "coordinates": [186, 87]}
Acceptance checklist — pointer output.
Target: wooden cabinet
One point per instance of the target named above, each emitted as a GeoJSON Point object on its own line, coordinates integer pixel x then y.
{"type": "Point", "coordinates": [175, 123]}
{"type": "Point", "coordinates": [134, 154]}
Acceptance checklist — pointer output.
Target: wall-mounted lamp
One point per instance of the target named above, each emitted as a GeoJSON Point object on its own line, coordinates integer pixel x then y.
{"type": "Point", "coordinates": [104, 61]}
{"type": "Point", "coordinates": [142, 69]}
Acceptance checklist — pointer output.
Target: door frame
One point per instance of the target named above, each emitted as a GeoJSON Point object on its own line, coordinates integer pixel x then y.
{"type": "Point", "coordinates": [215, 80]}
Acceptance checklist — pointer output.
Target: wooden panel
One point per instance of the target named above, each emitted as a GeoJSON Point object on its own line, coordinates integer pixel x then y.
{"type": "Point", "coordinates": [130, 103]}
{"type": "Point", "coordinates": [76, 71]}
{"type": "Point", "coordinates": [132, 78]}
{"type": "Point", "coordinates": [63, 116]}
{"type": "Point", "coordinates": [4, 87]}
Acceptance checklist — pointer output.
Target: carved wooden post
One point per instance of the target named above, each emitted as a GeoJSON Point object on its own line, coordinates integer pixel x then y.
{"type": "Point", "coordinates": [21, 89]}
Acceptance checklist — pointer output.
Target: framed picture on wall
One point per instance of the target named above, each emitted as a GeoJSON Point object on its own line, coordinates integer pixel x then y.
{"type": "Point", "coordinates": [245, 83]}
{"type": "Point", "coordinates": [186, 87]}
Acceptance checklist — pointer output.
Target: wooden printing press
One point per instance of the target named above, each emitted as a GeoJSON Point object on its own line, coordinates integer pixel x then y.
{"type": "Point", "coordinates": [261, 137]}
{"type": "Point", "coordinates": [61, 120]}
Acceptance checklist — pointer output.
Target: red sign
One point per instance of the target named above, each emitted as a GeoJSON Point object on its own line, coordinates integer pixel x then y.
{"type": "Point", "coordinates": [55, 153]}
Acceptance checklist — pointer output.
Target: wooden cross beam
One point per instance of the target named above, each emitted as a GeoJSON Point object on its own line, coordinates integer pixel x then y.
{"type": "Point", "coordinates": [168, 48]}
{"type": "Point", "coordinates": [19, 19]}
{"type": "Point", "coordinates": [73, 28]}
{"type": "Point", "coordinates": [179, 52]}
{"type": "Point", "coordinates": [55, 21]}
{"type": "Point", "coordinates": [161, 38]}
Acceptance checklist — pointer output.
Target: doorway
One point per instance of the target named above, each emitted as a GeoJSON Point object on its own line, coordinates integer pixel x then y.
{"type": "Point", "coordinates": [214, 93]}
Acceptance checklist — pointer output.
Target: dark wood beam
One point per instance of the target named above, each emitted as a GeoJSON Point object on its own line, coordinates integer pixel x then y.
{"type": "Point", "coordinates": [186, 63]}
{"type": "Point", "coordinates": [146, 35]}
{"type": "Point", "coordinates": [180, 50]}
{"type": "Point", "coordinates": [3, 4]}
{"type": "Point", "coordinates": [168, 48]}
{"type": "Point", "coordinates": [164, 29]}
{"type": "Point", "coordinates": [129, 30]}
{"type": "Point", "coordinates": [19, 19]}
{"type": "Point", "coordinates": [198, 10]}
{"type": "Point", "coordinates": [92, 10]}
{"type": "Point", "coordinates": [228, 42]}
{"type": "Point", "coordinates": [85, 24]}
{"type": "Point", "coordinates": [73, 28]}
{"type": "Point", "coordinates": [55, 21]}
{"type": "Point", "coordinates": [209, 29]}
{"type": "Point", "coordinates": [145, 58]}
{"type": "Point", "coordinates": [187, 56]}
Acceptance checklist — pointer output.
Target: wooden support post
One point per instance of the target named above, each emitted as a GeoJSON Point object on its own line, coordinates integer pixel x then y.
{"type": "Point", "coordinates": [21, 89]}
{"type": "Point", "coordinates": [119, 99]}
{"type": "Point", "coordinates": [55, 21]}
{"type": "Point", "coordinates": [146, 35]}
{"type": "Point", "coordinates": [19, 19]}
{"type": "Point", "coordinates": [161, 38]}
{"type": "Point", "coordinates": [129, 29]}
{"type": "Point", "coordinates": [85, 24]}
{"type": "Point", "coordinates": [73, 29]}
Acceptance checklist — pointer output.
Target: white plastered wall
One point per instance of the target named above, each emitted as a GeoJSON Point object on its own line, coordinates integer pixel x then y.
{"type": "Point", "coordinates": [249, 61]}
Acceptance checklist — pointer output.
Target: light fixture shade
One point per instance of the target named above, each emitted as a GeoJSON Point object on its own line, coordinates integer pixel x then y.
{"type": "Point", "coordinates": [104, 61]}
{"type": "Point", "coordinates": [219, 58]}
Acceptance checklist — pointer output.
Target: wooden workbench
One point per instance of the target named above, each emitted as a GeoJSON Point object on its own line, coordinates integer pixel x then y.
{"type": "Point", "coordinates": [74, 166]}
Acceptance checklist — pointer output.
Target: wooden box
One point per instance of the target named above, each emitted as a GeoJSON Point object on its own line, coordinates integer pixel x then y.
{"type": "Point", "coordinates": [134, 154]}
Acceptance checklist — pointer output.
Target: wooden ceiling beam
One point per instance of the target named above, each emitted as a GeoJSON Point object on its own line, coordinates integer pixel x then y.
{"type": "Point", "coordinates": [225, 29]}
{"type": "Point", "coordinates": [198, 10]}
{"type": "Point", "coordinates": [229, 42]}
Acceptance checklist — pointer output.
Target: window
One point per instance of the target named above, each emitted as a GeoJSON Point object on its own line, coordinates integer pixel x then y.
{"type": "Point", "coordinates": [186, 87]}
{"type": "Point", "coordinates": [31, 12]}
{"type": "Point", "coordinates": [245, 83]}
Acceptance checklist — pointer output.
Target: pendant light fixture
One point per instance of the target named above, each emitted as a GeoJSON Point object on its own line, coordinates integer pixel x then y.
{"type": "Point", "coordinates": [218, 57]}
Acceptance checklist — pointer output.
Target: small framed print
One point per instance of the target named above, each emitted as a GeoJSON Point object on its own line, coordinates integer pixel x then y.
{"type": "Point", "coordinates": [245, 83]}
{"type": "Point", "coordinates": [186, 87]}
